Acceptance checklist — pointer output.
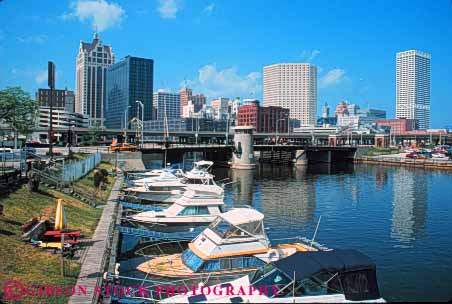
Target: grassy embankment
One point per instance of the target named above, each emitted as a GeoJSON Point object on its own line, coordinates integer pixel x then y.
{"type": "Point", "coordinates": [20, 260]}
{"type": "Point", "coordinates": [382, 151]}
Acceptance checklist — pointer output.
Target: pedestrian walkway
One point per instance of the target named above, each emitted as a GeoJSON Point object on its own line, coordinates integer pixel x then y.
{"type": "Point", "coordinates": [95, 261]}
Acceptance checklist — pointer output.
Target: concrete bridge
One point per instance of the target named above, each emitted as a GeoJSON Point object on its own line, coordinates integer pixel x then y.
{"type": "Point", "coordinates": [244, 152]}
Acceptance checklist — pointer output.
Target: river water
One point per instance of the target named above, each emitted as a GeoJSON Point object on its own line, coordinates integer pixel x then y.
{"type": "Point", "coordinates": [400, 217]}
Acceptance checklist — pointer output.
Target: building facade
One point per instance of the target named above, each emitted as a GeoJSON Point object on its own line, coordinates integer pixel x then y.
{"type": "Point", "coordinates": [292, 86]}
{"type": "Point", "coordinates": [129, 80]}
{"type": "Point", "coordinates": [264, 119]}
{"type": "Point", "coordinates": [221, 107]}
{"type": "Point", "coordinates": [62, 99]}
{"type": "Point", "coordinates": [199, 100]}
{"type": "Point", "coordinates": [398, 126]}
{"type": "Point", "coordinates": [165, 102]}
{"type": "Point", "coordinates": [185, 96]}
{"type": "Point", "coordinates": [413, 87]}
{"type": "Point", "coordinates": [92, 62]}
{"type": "Point", "coordinates": [61, 118]}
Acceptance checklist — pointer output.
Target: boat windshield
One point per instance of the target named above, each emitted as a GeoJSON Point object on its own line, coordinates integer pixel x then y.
{"type": "Point", "coordinates": [319, 284]}
{"type": "Point", "coordinates": [224, 229]}
{"type": "Point", "coordinates": [271, 280]}
{"type": "Point", "coordinates": [191, 260]}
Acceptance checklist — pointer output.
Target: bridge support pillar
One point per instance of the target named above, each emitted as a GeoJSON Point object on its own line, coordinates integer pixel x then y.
{"type": "Point", "coordinates": [300, 158]}
{"type": "Point", "coordinates": [243, 153]}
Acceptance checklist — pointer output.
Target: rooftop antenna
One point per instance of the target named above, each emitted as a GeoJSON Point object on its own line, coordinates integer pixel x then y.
{"type": "Point", "coordinates": [96, 35]}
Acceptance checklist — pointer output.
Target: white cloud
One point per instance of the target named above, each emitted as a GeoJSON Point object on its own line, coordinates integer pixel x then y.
{"type": "Point", "coordinates": [39, 39]}
{"type": "Point", "coordinates": [333, 77]}
{"type": "Point", "coordinates": [100, 13]}
{"type": "Point", "coordinates": [309, 56]}
{"type": "Point", "coordinates": [41, 77]}
{"type": "Point", "coordinates": [168, 9]}
{"type": "Point", "coordinates": [224, 83]}
{"type": "Point", "coordinates": [209, 9]}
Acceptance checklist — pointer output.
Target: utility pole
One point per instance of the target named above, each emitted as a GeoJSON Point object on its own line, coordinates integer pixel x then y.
{"type": "Point", "coordinates": [51, 83]}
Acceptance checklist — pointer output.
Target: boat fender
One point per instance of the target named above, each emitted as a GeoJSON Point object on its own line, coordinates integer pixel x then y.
{"type": "Point", "coordinates": [273, 255]}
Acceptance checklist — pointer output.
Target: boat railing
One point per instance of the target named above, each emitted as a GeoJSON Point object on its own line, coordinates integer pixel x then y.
{"type": "Point", "coordinates": [157, 249]}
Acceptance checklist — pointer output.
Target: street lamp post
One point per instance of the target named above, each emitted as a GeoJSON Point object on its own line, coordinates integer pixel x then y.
{"type": "Point", "coordinates": [142, 121]}
{"type": "Point", "coordinates": [126, 119]}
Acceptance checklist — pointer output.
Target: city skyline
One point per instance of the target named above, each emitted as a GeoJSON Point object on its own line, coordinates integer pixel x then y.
{"type": "Point", "coordinates": [237, 70]}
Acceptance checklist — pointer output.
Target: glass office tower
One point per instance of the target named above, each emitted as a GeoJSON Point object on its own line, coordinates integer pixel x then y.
{"type": "Point", "coordinates": [129, 80]}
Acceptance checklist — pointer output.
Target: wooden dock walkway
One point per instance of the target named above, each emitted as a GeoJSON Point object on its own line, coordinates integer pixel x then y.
{"type": "Point", "coordinates": [97, 256]}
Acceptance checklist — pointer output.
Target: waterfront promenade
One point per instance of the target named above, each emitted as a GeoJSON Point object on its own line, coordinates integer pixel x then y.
{"type": "Point", "coordinates": [95, 261]}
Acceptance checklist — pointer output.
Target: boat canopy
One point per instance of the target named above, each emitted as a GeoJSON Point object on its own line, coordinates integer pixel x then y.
{"type": "Point", "coordinates": [355, 270]}
{"type": "Point", "coordinates": [239, 223]}
{"type": "Point", "coordinates": [239, 216]}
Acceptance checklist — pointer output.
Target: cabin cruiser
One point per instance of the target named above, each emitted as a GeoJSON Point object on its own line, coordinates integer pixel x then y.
{"type": "Point", "coordinates": [191, 210]}
{"type": "Point", "coordinates": [169, 191]}
{"type": "Point", "coordinates": [167, 174]}
{"type": "Point", "coordinates": [336, 276]}
{"type": "Point", "coordinates": [235, 243]}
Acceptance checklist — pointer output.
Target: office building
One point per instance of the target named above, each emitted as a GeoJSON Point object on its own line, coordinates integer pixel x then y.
{"type": "Point", "coordinates": [166, 102]}
{"type": "Point", "coordinates": [93, 59]}
{"type": "Point", "coordinates": [413, 87]}
{"type": "Point", "coordinates": [221, 107]}
{"type": "Point", "coordinates": [264, 119]}
{"type": "Point", "coordinates": [292, 86]}
{"type": "Point", "coordinates": [129, 80]}
{"type": "Point", "coordinates": [62, 99]}
{"type": "Point", "coordinates": [398, 126]}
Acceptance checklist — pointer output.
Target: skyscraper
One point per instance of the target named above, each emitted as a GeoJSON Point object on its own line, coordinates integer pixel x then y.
{"type": "Point", "coordinates": [93, 60]}
{"type": "Point", "coordinates": [129, 80]}
{"type": "Point", "coordinates": [292, 86]}
{"type": "Point", "coordinates": [165, 102]}
{"type": "Point", "coordinates": [413, 87]}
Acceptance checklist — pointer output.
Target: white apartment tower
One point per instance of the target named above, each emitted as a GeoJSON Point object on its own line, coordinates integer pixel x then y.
{"type": "Point", "coordinates": [413, 87]}
{"type": "Point", "coordinates": [93, 60]}
{"type": "Point", "coordinates": [292, 86]}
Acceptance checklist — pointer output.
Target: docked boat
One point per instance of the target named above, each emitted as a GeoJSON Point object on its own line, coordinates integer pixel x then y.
{"type": "Point", "coordinates": [335, 276]}
{"type": "Point", "coordinates": [170, 190]}
{"type": "Point", "coordinates": [191, 210]}
{"type": "Point", "coordinates": [235, 243]}
{"type": "Point", "coordinates": [168, 174]}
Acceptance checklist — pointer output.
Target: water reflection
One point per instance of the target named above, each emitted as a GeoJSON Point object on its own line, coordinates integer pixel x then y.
{"type": "Point", "coordinates": [409, 205]}
{"type": "Point", "coordinates": [243, 182]}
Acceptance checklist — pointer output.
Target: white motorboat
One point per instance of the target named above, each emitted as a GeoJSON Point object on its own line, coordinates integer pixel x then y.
{"type": "Point", "coordinates": [235, 243]}
{"type": "Point", "coordinates": [191, 210]}
{"type": "Point", "coordinates": [170, 190]}
{"type": "Point", "coordinates": [337, 276]}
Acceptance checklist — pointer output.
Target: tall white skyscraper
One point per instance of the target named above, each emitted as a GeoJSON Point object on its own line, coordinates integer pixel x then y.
{"type": "Point", "coordinates": [413, 87]}
{"type": "Point", "coordinates": [93, 60]}
{"type": "Point", "coordinates": [292, 86]}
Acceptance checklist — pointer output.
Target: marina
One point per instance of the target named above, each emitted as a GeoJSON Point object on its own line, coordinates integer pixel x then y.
{"type": "Point", "coordinates": [356, 212]}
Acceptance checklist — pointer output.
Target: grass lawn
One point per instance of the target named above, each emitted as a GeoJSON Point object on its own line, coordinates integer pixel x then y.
{"type": "Point", "coordinates": [21, 261]}
{"type": "Point", "coordinates": [87, 183]}
{"type": "Point", "coordinates": [382, 151]}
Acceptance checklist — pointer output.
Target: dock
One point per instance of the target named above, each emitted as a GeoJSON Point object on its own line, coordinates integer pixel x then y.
{"type": "Point", "coordinates": [95, 262]}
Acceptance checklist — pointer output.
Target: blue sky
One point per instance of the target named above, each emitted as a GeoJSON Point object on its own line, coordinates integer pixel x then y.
{"type": "Point", "coordinates": [220, 47]}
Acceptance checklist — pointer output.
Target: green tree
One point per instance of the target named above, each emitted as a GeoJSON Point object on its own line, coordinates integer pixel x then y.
{"type": "Point", "coordinates": [93, 135]}
{"type": "Point", "coordinates": [18, 110]}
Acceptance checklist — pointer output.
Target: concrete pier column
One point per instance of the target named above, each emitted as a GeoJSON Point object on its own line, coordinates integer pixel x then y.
{"type": "Point", "coordinates": [243, 153]}
{"type": "Point", "coordinates": [300, 158]}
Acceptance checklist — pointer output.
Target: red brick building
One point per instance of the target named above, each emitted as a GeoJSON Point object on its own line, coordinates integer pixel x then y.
{"type": "Point", "coordinates": [264, 119]}
{"type": "Point", "coordinates": [398, 126]}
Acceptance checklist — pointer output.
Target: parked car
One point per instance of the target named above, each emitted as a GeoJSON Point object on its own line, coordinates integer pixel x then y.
{"type": "Point", "coordinates": [123, 147]}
